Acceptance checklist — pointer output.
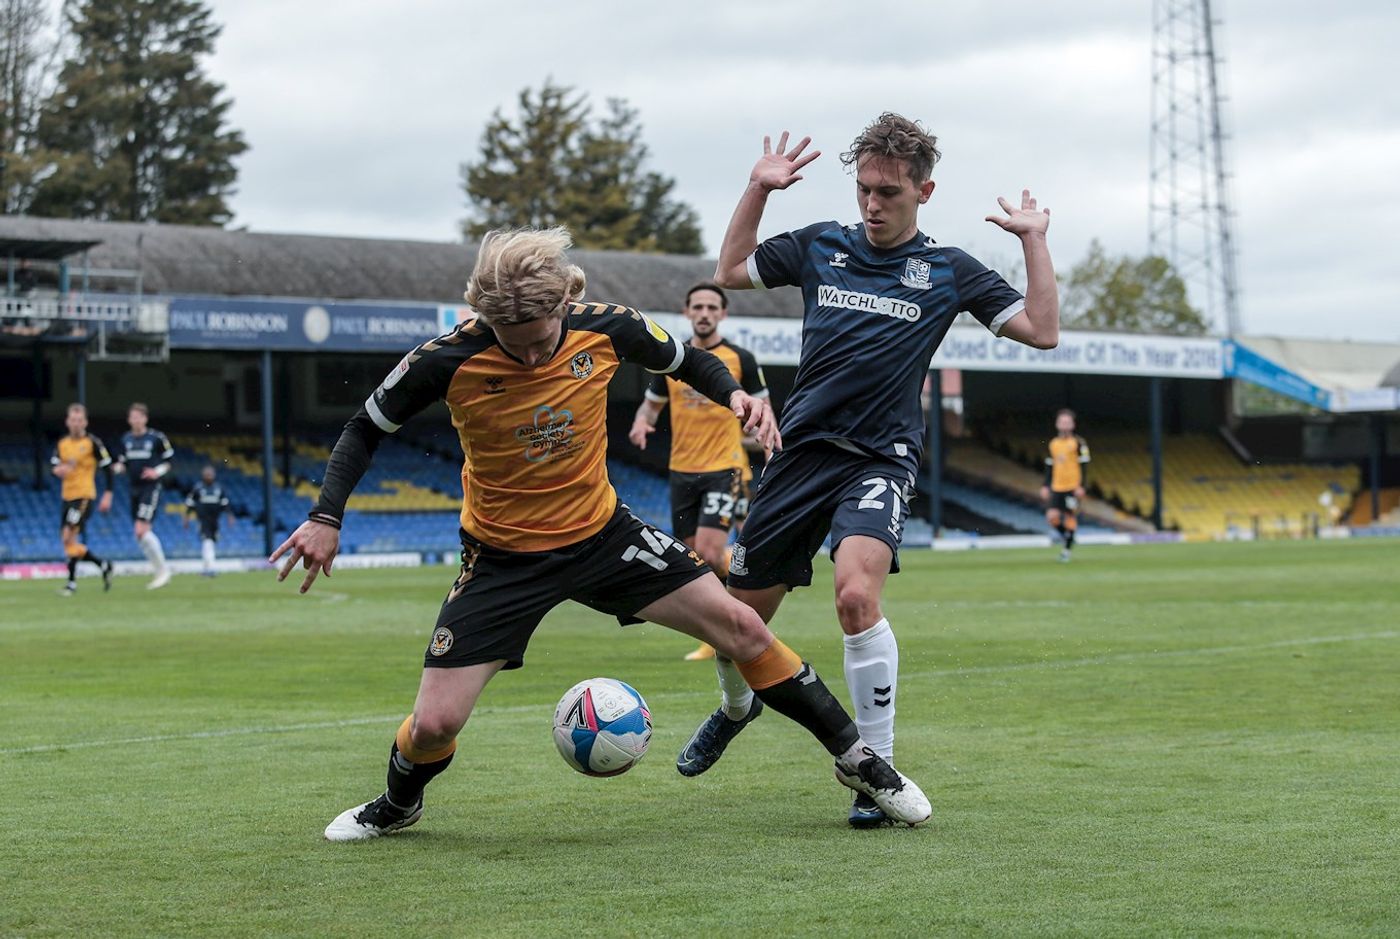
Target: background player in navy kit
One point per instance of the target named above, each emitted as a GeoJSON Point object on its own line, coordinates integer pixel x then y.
{"type": "Point", "coordinates": [709, 463]}
{"type": "Point", "coordinates": [145, 455]}
{"type": "Point", "coordinates": [206, 502]}
{"type": "Point", "coordinates": [879, 297]}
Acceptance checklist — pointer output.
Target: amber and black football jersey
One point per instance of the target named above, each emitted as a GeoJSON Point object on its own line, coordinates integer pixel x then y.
{"type": "Point", "coordinates": [1064, 466]}
{"type": "Point", "coordinates": [535, 438]}
{"type": "Point", "coordinates": [84, 455]}
{"type": "Point", "coordinates": [705, 436]}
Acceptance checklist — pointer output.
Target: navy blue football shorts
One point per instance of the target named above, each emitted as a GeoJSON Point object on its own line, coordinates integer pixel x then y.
{"type": "Point", "coordinates": [808, 492]}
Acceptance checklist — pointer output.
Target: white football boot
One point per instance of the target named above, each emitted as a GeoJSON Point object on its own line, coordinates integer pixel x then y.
{"type": "Point", "coordinates": [896, 794]}
{"type": "Point", "coordinates": [371, 820]}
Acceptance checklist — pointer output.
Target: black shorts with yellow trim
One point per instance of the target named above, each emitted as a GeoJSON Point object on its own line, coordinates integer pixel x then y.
{"type": "Point", "coordinates": [705, 500]}
{"type": "Point", "coordinates": [145, 497]}
{"type": "Point", "coordinates": [1064, 501]}
{"type": "Point", "coordinates": [499, 597]}
{"type": "Point", "coordinates": [76, 513]}
{"type": "Point", "coordinates": [809, 492]}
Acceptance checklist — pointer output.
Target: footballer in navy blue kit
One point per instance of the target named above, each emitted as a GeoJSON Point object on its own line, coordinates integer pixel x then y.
{"type": "Point", "coordinates": [144, 455]}
{"type": "Point", "coordinates": [878, 298]}
{"type": "Point", "coordinates": [207, 502]}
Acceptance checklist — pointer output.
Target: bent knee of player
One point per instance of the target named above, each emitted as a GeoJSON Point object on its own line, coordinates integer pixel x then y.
{"type": "Point", "coordinates": [743, 634]}
{"type": "Point", "coordinates": [434, 728]}
{"type": "Point", "coordinates": [857, 606]}
{"type": "Point", "coordinates": [718, 560]}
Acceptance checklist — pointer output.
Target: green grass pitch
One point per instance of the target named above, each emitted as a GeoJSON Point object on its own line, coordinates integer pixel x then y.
{"type": "Point", "coordinates": [1175, 739]}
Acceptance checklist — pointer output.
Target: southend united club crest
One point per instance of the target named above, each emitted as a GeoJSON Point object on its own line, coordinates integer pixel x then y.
{"type": "Point", "coordinates": [442, 641]}
{"type": "Point", "coordinates": [916, 273]}
{"type": "Point", "coordinates": [581, 365]}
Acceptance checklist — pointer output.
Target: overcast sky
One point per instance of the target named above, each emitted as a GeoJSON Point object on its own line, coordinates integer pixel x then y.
{"type": "Point", "coordinates": [358, 113]}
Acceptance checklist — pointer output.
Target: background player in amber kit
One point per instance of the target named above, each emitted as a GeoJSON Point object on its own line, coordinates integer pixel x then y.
{"type": "Point", "coordinates": [1066, 469]}
{"type": "Point", "coordinates": [76, 459]}
{"type": "Point", "coordinates": [709, 464]}
{"type": "Point", "coordinates": [207, 502]}
{"type": "Point", "coordinates": [878, 298]}
{"type": "Point", "coordinates": [526, 386]}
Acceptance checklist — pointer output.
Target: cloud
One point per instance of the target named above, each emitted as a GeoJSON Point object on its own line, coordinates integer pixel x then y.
{"type": "Point", "coordinates": [359, 114]}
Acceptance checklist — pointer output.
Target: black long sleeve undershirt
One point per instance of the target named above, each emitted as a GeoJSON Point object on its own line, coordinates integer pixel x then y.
{"type": "Point", "coordinates": [347, 466]}
{"type": "Point", "coordinates": [703, 371]}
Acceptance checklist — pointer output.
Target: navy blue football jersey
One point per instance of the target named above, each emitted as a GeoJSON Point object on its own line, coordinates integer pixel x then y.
{"type": "Point", "coordinates": [206, 503]}
{"type": "Point", "coordinates": [872, 320]}
{"type": "Point", "coordinates": [139, 452]}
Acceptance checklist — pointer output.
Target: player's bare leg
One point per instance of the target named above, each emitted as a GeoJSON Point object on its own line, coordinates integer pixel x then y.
{"type": "Point", "coordinates": [782, 681]}
{"type": "Point", "coordinates": [712, 544]}
{"type": "Point", "coordinates": [422, 748]}
{"type": "Point", "coordinates": [871, 653]}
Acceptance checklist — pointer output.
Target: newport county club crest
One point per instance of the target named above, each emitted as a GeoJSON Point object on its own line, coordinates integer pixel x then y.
{"type": "Point", "coordinates": [581, 365]}
{"type": "Point", "coordinates": [916, 273]}
{"type": "Point", "coordinates": [442, 641]}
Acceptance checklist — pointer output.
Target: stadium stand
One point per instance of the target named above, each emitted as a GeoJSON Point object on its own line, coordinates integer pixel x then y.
{"type": "Point", "coordinates": [1389, 513]}
{"type": "Point", "coordinates": [994, 486]}
{"type": "Point", "coordinates": [1208, 491]}
{"type": "Point", "coordinates": [408, 501]}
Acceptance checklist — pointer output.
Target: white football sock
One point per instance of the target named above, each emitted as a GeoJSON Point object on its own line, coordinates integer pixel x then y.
{"type": "Point", "coordinates": [872, 674]}
{"type": "Point", "coordinates": [738, 696]}
{"type": "Point", "coordinates": [207, 553]}
{"type": "Point", "coordinates": [150, 546]}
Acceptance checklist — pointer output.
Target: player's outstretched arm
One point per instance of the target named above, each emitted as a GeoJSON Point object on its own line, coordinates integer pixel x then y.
{"type": "Point", "coordinates": [644, 423]}
{"type": "Point", "coordinates": [1039, 324]}
{"type": "Point", "coordinates": [316, 541]}
{"type": "Point", "coordinates": [777, 169]}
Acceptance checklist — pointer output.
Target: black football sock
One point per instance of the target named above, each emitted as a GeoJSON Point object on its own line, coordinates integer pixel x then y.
{"type": "Point", "coordinates": [408, 778]}
{"type": "Point", "coordinates": [793, 689]}
{"type": "Point", "coordinates": [72, 570]}
{"type": "Point", "coordinates": [1069, 539]}
{"type": "Point", "coordinates": [89, 556]}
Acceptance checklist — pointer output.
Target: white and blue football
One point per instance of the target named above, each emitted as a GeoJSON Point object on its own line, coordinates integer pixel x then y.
{"type": "Point", "coordinates": [602, 727]}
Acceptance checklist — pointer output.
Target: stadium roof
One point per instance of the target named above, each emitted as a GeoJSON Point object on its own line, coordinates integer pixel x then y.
{"type": "Point", "coordinates": [1333, 363]}
{"type": "Point", "coordinates": [187, 259]}
{"type": "Point", "coordinates": [42, 249]}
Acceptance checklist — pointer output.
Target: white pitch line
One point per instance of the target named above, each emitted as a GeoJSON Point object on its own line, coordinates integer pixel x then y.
{"type": "Point", "coordinates": [666, 695]}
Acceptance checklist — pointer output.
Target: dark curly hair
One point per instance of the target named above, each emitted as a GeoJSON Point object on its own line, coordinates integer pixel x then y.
{"type": "Point", "coordinates": [893, 135]}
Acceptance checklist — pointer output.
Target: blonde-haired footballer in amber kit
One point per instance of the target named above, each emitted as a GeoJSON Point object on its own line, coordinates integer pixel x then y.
{"type": "Point", "coordinates": [526, 383]}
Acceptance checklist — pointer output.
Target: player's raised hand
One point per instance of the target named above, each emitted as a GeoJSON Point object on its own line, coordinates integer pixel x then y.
{"type": "Point", "coordinates": [780, 167]}
{"type": "Point", "coordinates": [758, 419]}
{"type": "Point", "coordinates": [638, 434]}
{"type": "Point", "coordinates": [1027, 220]}
{"type": "Point", "coordinates": [315, 545]}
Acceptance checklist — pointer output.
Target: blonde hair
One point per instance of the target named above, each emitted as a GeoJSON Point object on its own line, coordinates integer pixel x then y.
{"type": "Point", "coordinates": [523, 275]}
